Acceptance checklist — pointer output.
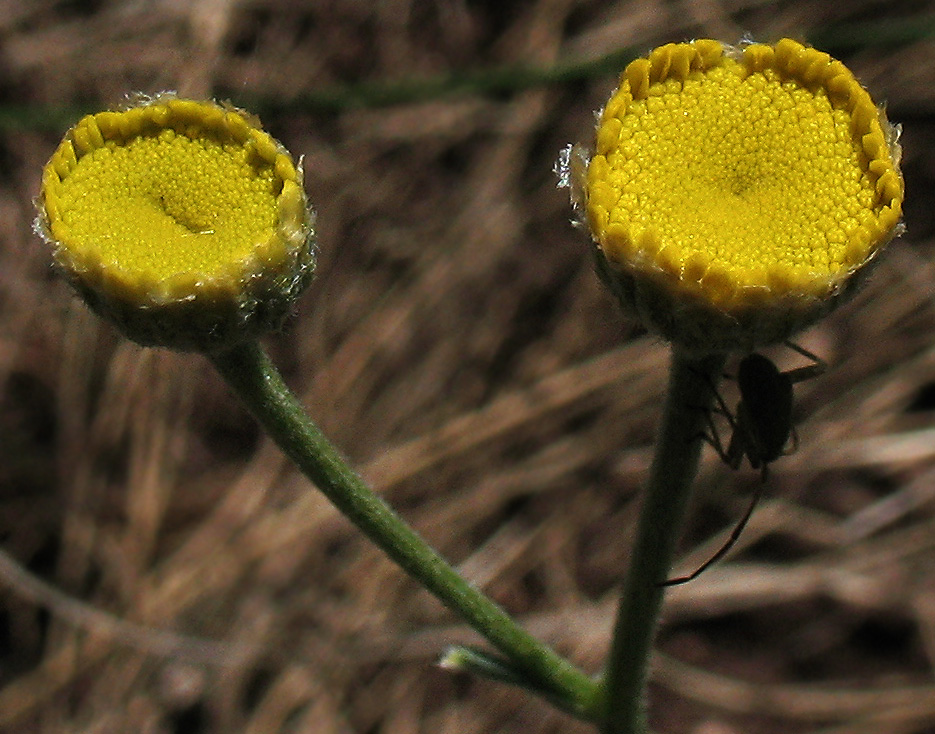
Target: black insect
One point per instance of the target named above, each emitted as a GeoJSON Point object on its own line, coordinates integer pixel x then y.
{"type": "Point", "coordinates": [761, 428]}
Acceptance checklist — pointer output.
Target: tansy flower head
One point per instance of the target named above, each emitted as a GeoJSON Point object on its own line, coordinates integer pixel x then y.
{"type": "Point", "coordinates": [735, 193]}
{"type": "Point", "coordinates": [181, 221]}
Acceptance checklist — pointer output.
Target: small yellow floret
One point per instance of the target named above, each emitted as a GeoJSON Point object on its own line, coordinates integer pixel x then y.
{"type": "Point", "coordinates": [746, 183]}
{"type": "Point", "coordinates": [186, 206]}
{"type": "Point", "coordinates": [183, 221]}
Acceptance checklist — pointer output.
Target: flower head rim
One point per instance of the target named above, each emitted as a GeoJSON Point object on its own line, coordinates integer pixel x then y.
{"type": "Point", "coordinates": [791, 61]}
{"type": "Point", "coordinates": [147, 115]}
{"type": "Point", "coordinates": [162, 277]}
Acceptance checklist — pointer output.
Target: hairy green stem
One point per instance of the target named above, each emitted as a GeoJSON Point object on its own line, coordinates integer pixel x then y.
{"type": "Point", "coordinates": [690, 392]}
{"type": "Point", "coordinates": [250, 373]}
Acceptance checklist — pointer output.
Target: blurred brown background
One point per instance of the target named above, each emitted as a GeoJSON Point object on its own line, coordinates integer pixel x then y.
{"type": "Point", "coordinates": [457, 345]}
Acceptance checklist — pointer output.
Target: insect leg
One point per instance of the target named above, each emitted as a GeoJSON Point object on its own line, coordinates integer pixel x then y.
{"type": "Point", "coordinates": [729, 454]}
{"type": "Point", "coordinates": [722, 551]}
{"type": "Point", "coordinates": [714, 438]}
{"type": "Point", "coordinates": [794, 438]}
{"type": "Point", "coordinates": [817, 367]}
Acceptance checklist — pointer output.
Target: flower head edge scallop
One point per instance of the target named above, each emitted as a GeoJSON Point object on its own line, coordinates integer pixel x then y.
{"type": "Point", "coordinates": [181, 221]}
{"type": "Point", "coordinates": [736, 194]}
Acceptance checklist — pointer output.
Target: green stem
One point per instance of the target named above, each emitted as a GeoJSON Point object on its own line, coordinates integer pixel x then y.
{"type": "Point", "coordinates": [665, 505]}
{"type": "Point", "coordinates": [250, 373]}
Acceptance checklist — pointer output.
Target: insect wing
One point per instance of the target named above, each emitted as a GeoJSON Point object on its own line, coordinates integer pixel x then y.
{"type": "Point", "coordinates": [766, 394]}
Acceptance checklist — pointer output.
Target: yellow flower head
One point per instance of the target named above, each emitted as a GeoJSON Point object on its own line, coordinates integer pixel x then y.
{"type": "Point", "coordinates": [182, 221]}
{"type": "Point", "coordinates": [734, 193]}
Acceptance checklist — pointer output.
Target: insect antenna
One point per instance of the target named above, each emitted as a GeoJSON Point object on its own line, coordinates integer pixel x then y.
{"type": "Point", "coordinates": [734, 537]}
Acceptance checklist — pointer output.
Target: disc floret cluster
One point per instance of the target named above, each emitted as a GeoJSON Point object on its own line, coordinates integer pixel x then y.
{"type": "Point", "coordinates": [735, 192]}
{"type": "Point", "coordinates": [182, 221]}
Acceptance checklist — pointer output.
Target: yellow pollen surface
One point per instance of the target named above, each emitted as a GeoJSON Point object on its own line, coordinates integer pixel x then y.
{"type": "Point", "coordinates": [181, 221]}
{"type": "Point", "coordinates": [167, 204]}
{"type": "Point", "coordinates": [737, 172]}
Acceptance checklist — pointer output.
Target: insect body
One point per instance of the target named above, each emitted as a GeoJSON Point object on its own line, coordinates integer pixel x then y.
{"type": "Point", "coordinates": [761, 428]}
{"type": "Point", "coordinates": [762, 423]}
